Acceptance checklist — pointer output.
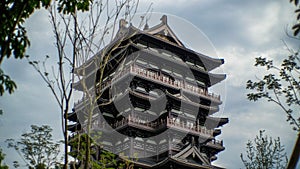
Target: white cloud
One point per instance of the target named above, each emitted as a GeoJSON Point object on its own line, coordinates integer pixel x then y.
{"type": "Point", "coordinates": [239, 62]}
{"type": "Point", "coordinates": [262, 24]}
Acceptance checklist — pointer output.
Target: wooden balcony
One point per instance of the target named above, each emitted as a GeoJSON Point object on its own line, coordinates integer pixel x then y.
{"type": "Point", "coordinates": [162, 79]}
{"type": "Point", "coordinates": [157, 126]}
{"type": "Point", "coordinates": [141, 124]}
{"type": "Point", "coordinates": [197, 130]}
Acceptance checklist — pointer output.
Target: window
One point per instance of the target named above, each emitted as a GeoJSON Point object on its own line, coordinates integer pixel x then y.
{"type": "Point", "coordinates": [177, 58]}
{"type": "Point", "coordinates": [189, 63]}
{"type": "Point", "coordinates": [128, 63]}
{"type": "Point", "coordinates": [141, 62]}
{"type": "Point", "coordinates": [176, 111]}
{"type": "Point", "coordinates": [141, 89]}
{"type": "Point", "coordinates": [166, 54]}
{"type": "Point", "coordinates": [106, 143]}
{"type": "Point", "coordinates": [151, 112]}
{"type": "Point", "coordinates": [200, 83]}
{"type": "Point", "coordinates": [153, 93]}
{"type": "Point", "coordinates": [175, 140]}
{"type": "Point", "coordinates": [138, 109]}
{"type": "Point", "coordinates": [153, 49]}
{"type": "Point", "coordinates": [163, 141]}
{"type": "Point", "coordinates": [190, 115]}
{"type": "Point", "coordinates": [141, 45]}
{"type": "Point", "coordinates": [200, 67]}
{"type": "Point", "coordinates": [119, 142]}
{"type": "Point", "coordinates": [153, 66]}
{"type": "Point", "coordinates": [177, 74]}
{"type": "Point", "coordinates": [190, 79]}
{"type": "Point", "coordinates": [166, 71]}
{"type": "Point", "coordinates": [151, 141]}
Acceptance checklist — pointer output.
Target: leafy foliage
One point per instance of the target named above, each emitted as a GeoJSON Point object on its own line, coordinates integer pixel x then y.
{"type": "Point", "coordinates": [13, 35]}
{"type": "Point", "coordinates": [36, 147]}
{"type": "Point", "coordinates": [14, 40]}
{"type": "Point", "coordinates": [6, 82]}
{"type": "Point", "coordinates": [101, 159]}
{"type": "Point", "coordinates": [265, 153]}
{"type": "Point", "coordinates": [71, 6]}
{"type": "Point", "coordinates": [2, 156]}
{"type": "Point", "coordinates": [104, 160]}
{"type": "Point", "coordinates": [281, 87]}
{"type": "Point", "coordinates": [296, 27]}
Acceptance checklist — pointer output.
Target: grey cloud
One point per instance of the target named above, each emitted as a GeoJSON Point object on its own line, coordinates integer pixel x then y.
{"type": "Point", "coordinates": [225, 23]}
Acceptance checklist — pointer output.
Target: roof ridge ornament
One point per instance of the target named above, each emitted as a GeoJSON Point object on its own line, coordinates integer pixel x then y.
{"type": "Point", "coordinates": [146, 27]}
{"type": "Point", "coordinates": [164, 19]}
{"type": "Point", "coordinates": [122, 23]}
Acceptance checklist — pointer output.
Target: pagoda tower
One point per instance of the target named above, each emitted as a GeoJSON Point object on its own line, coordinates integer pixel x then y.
{"type": "Point", "coordinates": [153, 103]}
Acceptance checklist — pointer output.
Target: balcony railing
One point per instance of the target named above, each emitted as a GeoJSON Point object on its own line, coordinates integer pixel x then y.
{"type": "Point", "coordinates": [155, 76]}
{"type": "Point", "coordinates": [157, 125]}
{"type": "Point", "coordinates": [139, 122]}
{"type": "Point", "coordinates": [194, 129]}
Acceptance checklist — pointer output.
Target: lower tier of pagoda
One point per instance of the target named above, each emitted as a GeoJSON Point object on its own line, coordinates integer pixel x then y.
{"type": "Point", "coordinates": [164, 154]}
{"type": "Point", "coordinates": [203, 136]}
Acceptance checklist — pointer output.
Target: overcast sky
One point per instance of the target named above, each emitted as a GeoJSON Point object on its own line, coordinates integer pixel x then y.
{"type": "Point", "coordinates": [239, 31]}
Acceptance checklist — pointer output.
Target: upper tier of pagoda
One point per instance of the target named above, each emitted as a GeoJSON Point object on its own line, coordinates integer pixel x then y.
{"type": "Point", "coordinates": [158, 34]}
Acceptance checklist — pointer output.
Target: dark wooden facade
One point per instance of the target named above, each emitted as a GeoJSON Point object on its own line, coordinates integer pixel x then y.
{"type": "Point", "coordinates": [147, 68]}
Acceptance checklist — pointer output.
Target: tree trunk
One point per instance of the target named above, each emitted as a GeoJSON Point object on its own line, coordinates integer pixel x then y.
{"type": "Point", "coordinates": [295, 155]}
{"type": "Point", "coordinates": [66, 139]}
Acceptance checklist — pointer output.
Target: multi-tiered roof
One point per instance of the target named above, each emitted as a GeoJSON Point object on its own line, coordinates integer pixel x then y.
{"type": "Point", "coordinates": [153, 91]}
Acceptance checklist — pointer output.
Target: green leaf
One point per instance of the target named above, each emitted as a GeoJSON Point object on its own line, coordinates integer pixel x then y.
{"type": "Point", "coordinates": [296, 29]}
